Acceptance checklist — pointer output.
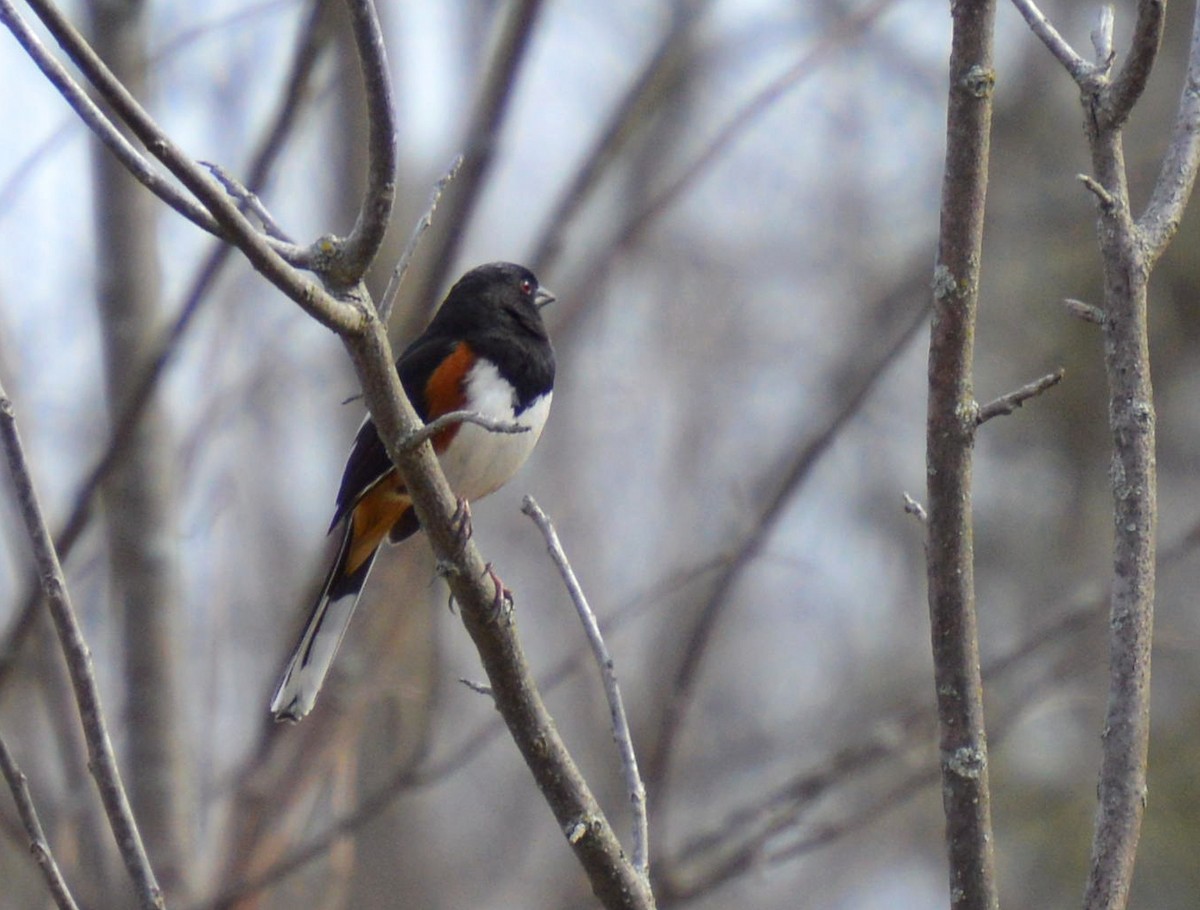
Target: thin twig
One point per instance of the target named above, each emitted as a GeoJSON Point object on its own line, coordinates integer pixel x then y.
{"type": "Point", "coordinates": [1006, 404]}
{"type": "Point", "coordinates": [477, 687]}
{"type": "Point", "coordinates": [1085, 311]}
{"type": "Point", "coordinates": [102, 760]}
{"type": "Point", "coordinates": [915, 509]}
{"type": "Point", "coordinates": [832, 39]}
{"type": "Point", "coordinates": [388, 299]}
{"type": "Point", "coordinates": [431, 429]}
{"type": "Point", "coordinates": [616, 707]}
{"type": "Point", "coordinates": [1130, 81]}
{"type": "Point", "coordinates": [1074, 64]}
{"type": "Point", "coordinates": [1107, 200]}
{"type": "Point", "coordinates": [39, 846]}
{"type": "Point", "coordinates": [248, 199]}
{"type": "Point", "coordinates": [1102, 38]}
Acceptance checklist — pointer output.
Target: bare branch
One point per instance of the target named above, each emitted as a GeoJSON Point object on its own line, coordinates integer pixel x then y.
{"type": "Point", "coordinates": [1108, 202]}
{"type": "Point", "coordinates": [1102, 38]}
{"type": "Point", "coordinates": [39, 846]}
{"type": "Point", "coordinates": [331, 313]}
{"type": "Point", "coordinates": [409, 776]}
{"type": "Point", "coordinates": [915, 509]}
{"type": "Point", "coordinates": [1006, 404]}
{"type": "Point", "coordinates": [388, 300]}
{"type": "Point", "coordinates": [1085, 311]}
{"type": "Point", "coordinates": [248, 199]}
{"type": "Point", "coordinates": [101, 758]}
{"type": "Point", "coordinates": [1177, 176]}
{"type": "Point", "coordinates": [950, 437]}
{"type": "Point", "coordinates": [1074, 64]}
{"type": "Point", "coordinates": [613, 878]}
{"type": "Point", "coordinates": [95, 119]}
{"type": "Point", "coordinates": [359, 249]}
{"type": "Point", "coordinates": [833, 38]}
{"type": "Point", "coordinates": [616, 707]}
{"type": "Point", "coordinates": [1129, 83]}
{"type": "Point", "coordinates": [431, 429]}
{"type": "Point", "coordinates": [1127, 254]}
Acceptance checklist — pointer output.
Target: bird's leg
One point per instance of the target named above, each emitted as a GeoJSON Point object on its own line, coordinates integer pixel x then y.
{"type": "Point", "coordinates": [460, 522]}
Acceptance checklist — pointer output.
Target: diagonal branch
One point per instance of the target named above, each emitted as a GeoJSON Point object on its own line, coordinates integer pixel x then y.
{"type": "Point", "coordinates": [1079, 68]}
{"type": "Point", "coordinates": [102, 761]}
{"type": "Point", "coordinates": [388, 299]}
{"type": "Point", "coordinates": [331, 313]}
{"type": "Point", "coordinates": [39, 846]}
{"type": "Point", "coordinates": [620, 722]}
{"type": "Point", "coordinates": [1007, 404]}
{"type": "Point", "coordinates": [95, 119]}
{"type": "Point", "coordinates": [613, 878]}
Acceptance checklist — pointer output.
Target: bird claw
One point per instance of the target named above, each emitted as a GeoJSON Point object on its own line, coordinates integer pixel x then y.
{"type": "Point", "coordinates": [503, 599]}
{"type": "Point", "coordinates": [460, 521]}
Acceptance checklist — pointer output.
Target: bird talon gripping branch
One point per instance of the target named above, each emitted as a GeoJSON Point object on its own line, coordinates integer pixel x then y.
{"type": "Point", "coordinates": [502, 600]}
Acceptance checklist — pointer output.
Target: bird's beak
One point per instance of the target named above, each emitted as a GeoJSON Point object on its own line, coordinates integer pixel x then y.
{"type": "Point", "coordinates": [542, 298]}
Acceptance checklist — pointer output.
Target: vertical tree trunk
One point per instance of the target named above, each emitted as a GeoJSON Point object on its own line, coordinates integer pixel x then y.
{"type": "Point", "coordinates": [138, 495]}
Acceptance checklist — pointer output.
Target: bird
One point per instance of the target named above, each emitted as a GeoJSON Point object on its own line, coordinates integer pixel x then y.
{"type": "Point", "coordinates": [486, 350]}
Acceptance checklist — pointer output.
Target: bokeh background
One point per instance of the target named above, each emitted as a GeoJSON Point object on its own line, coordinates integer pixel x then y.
{"type": "Point", "coordinates": [736, 203]}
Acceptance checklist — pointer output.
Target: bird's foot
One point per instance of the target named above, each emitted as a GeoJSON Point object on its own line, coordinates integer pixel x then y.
{"type": "Point", "coordinates": [503, 599]}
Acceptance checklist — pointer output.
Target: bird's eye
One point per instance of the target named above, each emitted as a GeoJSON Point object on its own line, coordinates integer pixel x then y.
{"type": "Point", "coordinates": [526, 286]}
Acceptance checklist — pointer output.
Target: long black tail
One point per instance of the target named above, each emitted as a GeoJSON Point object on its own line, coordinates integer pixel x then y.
{"type": "Point", "coordinates": [314, 652]}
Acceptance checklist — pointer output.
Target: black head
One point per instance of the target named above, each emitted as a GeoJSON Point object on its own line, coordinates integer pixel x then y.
{"type": "Point", "coordinates": [496, 296]}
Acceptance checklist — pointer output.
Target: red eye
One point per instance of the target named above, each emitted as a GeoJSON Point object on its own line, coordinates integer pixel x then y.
{"type": "Point", "coordinates": [526, 286]}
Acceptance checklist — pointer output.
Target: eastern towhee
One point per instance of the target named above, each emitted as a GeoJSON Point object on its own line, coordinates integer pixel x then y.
{"type": "Point", "coordinates": [486, 350]}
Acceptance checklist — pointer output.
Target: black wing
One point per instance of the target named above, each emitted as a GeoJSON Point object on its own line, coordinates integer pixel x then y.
{"type": "Point", "coordinates": [368, 461]}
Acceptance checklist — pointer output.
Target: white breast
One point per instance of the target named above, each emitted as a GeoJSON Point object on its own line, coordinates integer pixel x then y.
{"type": "Point", "coordinates": [478, 462]}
